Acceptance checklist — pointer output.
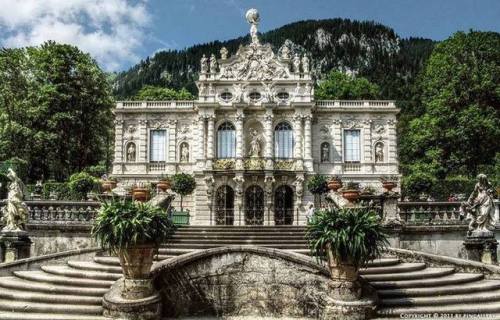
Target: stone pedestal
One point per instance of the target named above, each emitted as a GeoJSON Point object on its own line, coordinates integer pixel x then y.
{"type": "Point", "coordinates": [481, 246]}
{"type": "Point", "coordinates": [144, 308]}
{"type": "Point", "coordinates": [390, 209]}
{"type": "Point", "coordinates": [14, 245]}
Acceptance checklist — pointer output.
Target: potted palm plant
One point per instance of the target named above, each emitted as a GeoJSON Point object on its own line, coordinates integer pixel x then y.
{"type": "Point", "coordinates": [133, 230]}
{"type": "Point", "coordinates": [347, 238]}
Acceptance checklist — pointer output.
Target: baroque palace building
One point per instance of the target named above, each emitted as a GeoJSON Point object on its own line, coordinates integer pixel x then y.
{"type": "Point", "coordinates": [253, 137]}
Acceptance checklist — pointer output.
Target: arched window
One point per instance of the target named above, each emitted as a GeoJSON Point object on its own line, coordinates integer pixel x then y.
{"type": "Point", "coordinates": [283, 141]}
{"type": "Point", "coordinates": [325, 152]}
{"type": "Point", "coordinates": [226, 141]}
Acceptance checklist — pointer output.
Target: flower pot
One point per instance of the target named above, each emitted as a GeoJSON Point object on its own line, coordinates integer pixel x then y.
{"type": "Point", "coordinates": [108, 185]}
{"type": "Point", "coordinates": [163, 185]}
{"type": "Point", "coordinates": [140, 194]}
{"type": "Point", "coordinates": [389, 185]}
{"type": "Point", "coordinates": [346, 274]}
{"type": "Point", "coordinates": [136, 262]}
{"type": "Point", "coordinates": [334, 185]}
{"type": "Point", "coordinates": [351, 195]}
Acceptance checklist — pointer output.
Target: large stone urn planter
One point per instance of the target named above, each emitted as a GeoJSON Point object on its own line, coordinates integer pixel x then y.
{"type": "Point", "coordinates": [351, 195]}
{"type": "Point", "coordinates": [140, 194]}
{"type": "Point", "coordinates": [334, 184]}
{"type": "Point", "coordinates": [136, 263]}
{"type": "Point", "coordinates": [163, 185]}
{"type": "Point", "coordinates": [345, 276]}
{"type": "Point", "coordinates": [389, 185]}
{"type": "Point", "coordinates": [108, 185]}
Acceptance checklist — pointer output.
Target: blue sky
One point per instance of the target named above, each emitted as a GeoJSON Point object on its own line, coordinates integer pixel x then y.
{"type": "Point", "coordinates": [118, 33]}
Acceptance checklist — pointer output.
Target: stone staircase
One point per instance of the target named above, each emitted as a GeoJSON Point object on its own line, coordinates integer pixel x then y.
{"type": "Point", "coordinates": [74, 291]}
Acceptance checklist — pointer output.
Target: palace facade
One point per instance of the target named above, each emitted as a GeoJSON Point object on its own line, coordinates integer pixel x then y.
{"type": "Point", "coordinates": [253, 137]}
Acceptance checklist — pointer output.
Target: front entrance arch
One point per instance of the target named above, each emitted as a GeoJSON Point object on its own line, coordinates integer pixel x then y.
{"type": "Point", "coordinates": [283, 205]}
{"type": "Point", "coordinates": [254, 205]}
{"type": "Point", "coordinates": [224, 206]}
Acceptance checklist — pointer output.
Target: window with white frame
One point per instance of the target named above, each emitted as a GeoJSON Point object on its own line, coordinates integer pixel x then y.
{"type": "Point", "coordinates": [157, 145]}
{"type": "Point", "coordinates": [352, 146]}
{"type": "Point", "coordinates": [226, 141]}
{"type": "Point", "coordinates": [283, 141]}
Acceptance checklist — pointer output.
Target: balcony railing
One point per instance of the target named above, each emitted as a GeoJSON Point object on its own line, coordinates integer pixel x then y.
{"type": "Point", "coordinates": [154, 104]}
{"type": "Point", "coordinates": [355, 104]}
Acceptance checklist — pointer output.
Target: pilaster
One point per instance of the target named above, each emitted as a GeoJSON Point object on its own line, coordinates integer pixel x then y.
{"type": "Point", "coordinates": [308, 143]}
{"type": "Point", "coordinates": [297, 134]}
{"type": "Point", "coordinates": [268, 129]}
{"type": "Point", "coordinates": [143, 140]}
{"type": "Point", "coordinates": [240, 141]}
{"type": "Point", "coordinates": [200, 152]}
{"type": "Point", "coordinates": [210, 142]}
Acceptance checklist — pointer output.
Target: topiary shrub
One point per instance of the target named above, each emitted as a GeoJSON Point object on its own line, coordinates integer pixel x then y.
{"type": "Point", "coordinates": [80, 184]}
{"type": "Point", "coordinates": [318, 185]}
{"type": "Point", "coordinates": [60, 189]}
{"type": "Point", "coordinates": [183, 184]}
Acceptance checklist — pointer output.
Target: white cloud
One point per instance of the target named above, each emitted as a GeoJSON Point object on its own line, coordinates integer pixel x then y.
{"type": "Point", "coordinates": [110, 30]}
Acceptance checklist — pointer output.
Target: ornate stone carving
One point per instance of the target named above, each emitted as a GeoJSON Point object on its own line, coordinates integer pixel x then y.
{"type": "Point", "coordinates": [284, 165]}
{"type": "Point", "coordinates": [285, 52]}
{"type": "Point", "coordinates": [238, 91]}
{"type": "Point", "coordinates": [184, 152]}
{"type": "Point", "coordinates": [299, 186]}
{"type": "Point", "coordinates": [305, 64]}
{"type": "Point", "coordinates": [253, 18]}
{"type": "Point", "coordinates": [224, 164]}
{"type": "Point", "coordinates": [209, 181]}
{"type": "Point", "coordinates": [296, 63]}
{"type": "Point", "coordinates": [254, 164]}
{"type": "Point", "coordinates": [15, 212]}
{"type": "Point", "coordinates": [238, 182]}
{"type": "Point", "coordinates": [268, 184]}
{"type": "Point", "coordinates": [204, 64]}
{"type": "Point", "coordinates": [269, 91]}
{"type": "Point", "coordinates": [255, 147]}
{"type": "Point", "coordinates": [213, 64]}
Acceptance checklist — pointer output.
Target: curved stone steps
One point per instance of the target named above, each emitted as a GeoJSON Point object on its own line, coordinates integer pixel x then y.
{"type": "Point", "coordinates": [109, 261]}
{"type": "Point", "coordinates": [93, 266]}
{"type": "Point", "coordinates": [32, 286]}
{"type": "Point", "coordinates": [456, 278]}
{"type": "Point", "coordinates": [39, 307]}
{"type": "Point", "coordinates": [464, 288]}
{"type": "Point", "coordinates": [426, 273]}
{"type": "Point", "coordinates": [460, 308]}
{"type": "Point", "coordinates": [80, 274]}
{"type": "Point", "coordinates": [44, 316]}
{"type": "Point", "coordinates": [22, 295]}
{"type": "Point", "coordinates": [476, 297]}
{"type": "Point", "coordinates": [41, 276]}
{"type": "Point", "coordinates": [398, 268]}
{"type": "Point", "coordinates": [383, 262]}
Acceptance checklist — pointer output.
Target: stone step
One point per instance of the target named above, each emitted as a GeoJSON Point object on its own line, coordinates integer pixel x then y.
{"type": "Point", "coordinates": [41, 276]}
{"type": "Point", "coordinates": [110, 261]}
{"type": "Point", "coordinates": [18, 295]}
{"type": "Point", "coordinates": [44, 316]}
{"type": "Point", "coordinates": [383, 262]}
{"type": "Point", "coordinates": [399, 268]}
{"type": "Point", "coordinates": [414, 275]}
{"type": "Point", "coordinates": [476, 297]}
{"type": "Point", "coordinates": [477, 286]}
{"type": "Point", "coordinates": [452, 279]}
{"type": "Point", "coordinates": [229, 242]}
{"type": "Point", "coordinates": [76, 273]}
{"type": "Point", "coordinates": [38, 307]}
{"type": "Point", "coordinates": [237, 236]}
{"type": "Point", "coordinates": [31, 286]}
{"type": "Point", "coordinates": [460, 308]}
{"type": "Point", "coordinates": [93, 266]}
{"type": "Point", "coordinates": [200, 246]}
{"type": "Point", "coordinates": [172, 252]}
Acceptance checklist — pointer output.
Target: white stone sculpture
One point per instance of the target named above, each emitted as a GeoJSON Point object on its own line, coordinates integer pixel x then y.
{"type": "Point", "coordinates": [325, 152]}
{"type": "Point", "coordinates": [299, 186]}
{"type": "Point", "coordinates": [184, 152]}
{"type": "Point", "coordinates": [269, 91]}
{"type": "Point", "coordinates": [213, 64]}
{"type": "Point", "coordinates": [204, 64]}
{"type": "Point", "coordinates": [285, 53]}
{"type": "Point", "coordinates": [15, 212]}
{"type": "Point", "coordinates": [255, 144]}
{"type": "Point", "coordinates": [305, 64]}
{"type": "Point", "coordinates": [223, 53]}
{"type": "Point", "coordinates": [379, 152]}
{"type": "Point", "coordinates": [479, 208]}
{"type": "Point", "coordinates": [296, 63]}
{"type": "Point", "coordinates": [238, 181]}
{"type": "Point", "coordinates": [253, 18]}
{"type": "Point", "coordinates": [238, 90]}
{"type": "Point", "coordinates": [131, 152]}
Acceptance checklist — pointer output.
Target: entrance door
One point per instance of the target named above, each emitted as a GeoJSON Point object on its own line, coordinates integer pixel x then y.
{"type": "Point", "coordinates": [254, 206]}
{"type": "Point", "coordinates": [283, 205]}
{"type": "Point", "coordinates": [224, 206]}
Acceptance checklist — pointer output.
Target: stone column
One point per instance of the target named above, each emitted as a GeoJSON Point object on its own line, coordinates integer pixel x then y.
{"type": "Point", "coordinates": [392, 143]}
{"type": "Point", "coordinates": [308, 143]}
{"type": "Point", "coordinates": [367, 141]}
{"type": "Point", "coordinates": [200, 152]}
{"type": "Point", "coordinates": [119, 147]}
{"type": "Point", "coordinates": [240, 142]}
{"type": "Point", "coordinates": [337, 141]}
{"type": "Point", "coordinates": [210, 142]}
{"type": "Point", "coordinates": [297, 135]}
{"type": "Point", "coordinates": [143, 140]}
{"type": "Point", "coordinates": [269, 148]}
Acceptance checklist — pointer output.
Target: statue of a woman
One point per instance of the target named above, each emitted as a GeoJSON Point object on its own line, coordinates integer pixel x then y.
{"type": "Point", "coordinates": [204, 64]}
{"type": "Point", "coordinates": [479, 208]}
{"type": "Point", "coordinates": [15, 213]}
{"type": "Point", "coordinates": [255, 144]}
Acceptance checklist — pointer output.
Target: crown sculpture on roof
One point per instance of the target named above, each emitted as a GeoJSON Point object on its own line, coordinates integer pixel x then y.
{"type": "Point", "coordinates": [255, 61]}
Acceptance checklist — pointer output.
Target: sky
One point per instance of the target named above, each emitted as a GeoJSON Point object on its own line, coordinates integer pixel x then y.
{"type": "Point", "coordinates": [119, 33]}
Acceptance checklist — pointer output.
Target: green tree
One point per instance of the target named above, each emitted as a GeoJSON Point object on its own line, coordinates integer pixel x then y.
{"type": "Point", "coordinates": [318, 185]}
{"type": "Point", "coordinates": [183, 184]}
{"type": "Point", "coordinates": [55, 109]}
{"type": "Point", "coordinates": [158, 93]}
{"type": "Point", "coordinates": [458, 130]}
{"type": "Point", "coordinates": [339, 85]}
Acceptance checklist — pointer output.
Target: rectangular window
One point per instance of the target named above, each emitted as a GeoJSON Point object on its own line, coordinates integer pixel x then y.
{"type": "Point", "coordinates": [157, 145]}
{"type": "Point", "coordinates": [352, 146]}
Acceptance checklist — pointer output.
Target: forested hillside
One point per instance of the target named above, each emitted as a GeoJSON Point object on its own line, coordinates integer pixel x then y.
{"type": "Point", "coordinates": [366, 48]}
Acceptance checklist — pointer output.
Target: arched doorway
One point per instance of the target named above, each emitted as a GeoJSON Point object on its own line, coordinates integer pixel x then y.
{"type": "Point", "coordinates": [224, 205]}
{"type": "Point", "coordinates": [283, 205]}
{"type": "Point", "coordinates": [254, 205]}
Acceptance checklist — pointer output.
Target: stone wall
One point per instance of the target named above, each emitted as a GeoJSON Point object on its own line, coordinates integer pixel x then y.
{"type": "Point", "coordinates": [248, 281]}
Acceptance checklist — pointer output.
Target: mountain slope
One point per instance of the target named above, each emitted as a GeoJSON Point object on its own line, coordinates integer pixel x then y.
{"type": "Point", "coordinates": [365, 48]}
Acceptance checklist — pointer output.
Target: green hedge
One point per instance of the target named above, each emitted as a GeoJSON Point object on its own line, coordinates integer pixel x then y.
{"type": "Point", "coordinates": [414, 185]}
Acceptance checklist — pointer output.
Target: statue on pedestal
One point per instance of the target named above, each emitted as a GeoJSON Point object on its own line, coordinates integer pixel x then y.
{"type": "Point", "coordinates": [479, 208]}
{"type": "Point", "coordinates": [253, 18]}
{"type": "Point", "coordinates": [15, 213]}
{"type": "Point", "coordinates": [204, 64]}
{"type": "Point", "coordinates": [255, 144]}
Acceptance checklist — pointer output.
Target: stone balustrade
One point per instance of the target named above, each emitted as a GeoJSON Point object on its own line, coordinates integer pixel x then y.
{"type": "Point", "coordinates": [430, 213]}
{"type": "Point", "coordinates": [355, 104]}
{"type": "Point", "coordinates": [155, 104]}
